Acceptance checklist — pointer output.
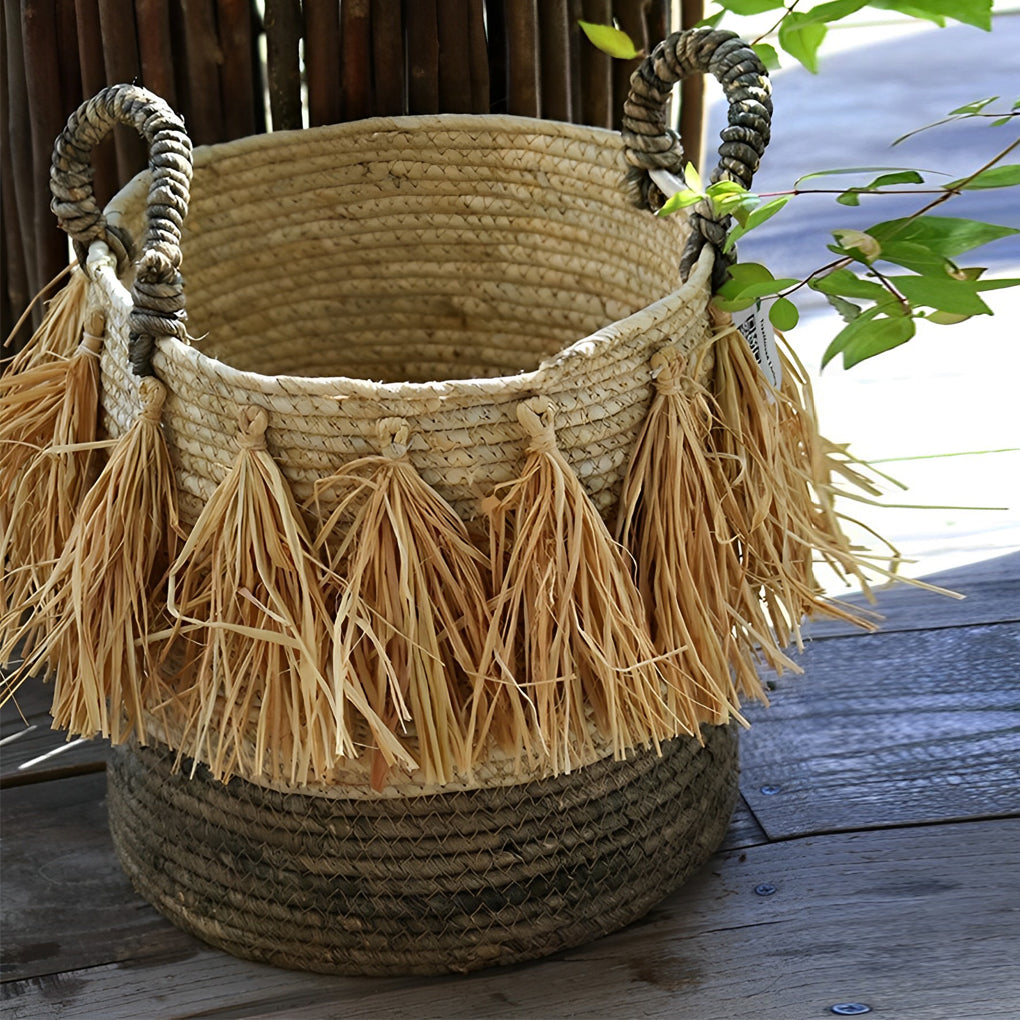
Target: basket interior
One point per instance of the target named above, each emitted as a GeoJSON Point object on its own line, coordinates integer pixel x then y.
{"type": "Point", "coordinates": [415, 250]}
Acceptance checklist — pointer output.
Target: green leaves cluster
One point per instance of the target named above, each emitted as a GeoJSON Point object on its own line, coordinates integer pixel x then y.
{"type": "Point", "coordinates": [800, 33]}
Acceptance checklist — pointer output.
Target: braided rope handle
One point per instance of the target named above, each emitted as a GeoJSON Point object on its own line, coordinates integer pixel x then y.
{"type": "Point", "coordinates": [158, 290]}
{"type": "Point", "coordinates": [650, 144]}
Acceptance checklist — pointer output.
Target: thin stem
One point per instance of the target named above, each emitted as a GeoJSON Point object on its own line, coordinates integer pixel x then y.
{"type": "Point", "coordinates": [768, 32]}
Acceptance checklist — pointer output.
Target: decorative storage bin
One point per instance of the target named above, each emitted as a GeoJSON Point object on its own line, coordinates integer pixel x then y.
{"type": "Point", "coordinates": [346, 563]}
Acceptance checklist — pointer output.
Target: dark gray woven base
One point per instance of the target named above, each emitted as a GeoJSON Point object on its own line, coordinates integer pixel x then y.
{"type": "Point", "coordinates": [424, 885]}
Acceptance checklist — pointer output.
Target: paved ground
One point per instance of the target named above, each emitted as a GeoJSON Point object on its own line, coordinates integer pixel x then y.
{"type": "Point", "coordinates": [923, 410]}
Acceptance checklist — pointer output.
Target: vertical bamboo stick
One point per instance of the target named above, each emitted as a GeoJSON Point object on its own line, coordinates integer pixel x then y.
{"type": "Point", "coordinates": [155, 52]}
{"type": "Point", "coordinates": [237, 76]}
{"type": "Point", "coordinates": [577, 39]}
{"type": "Point", "coordinates": [322, 63]}
{"type": "Point", "coordinates": [478, 57]}
{"type": "Point", "coordinates": [692, 94]}
{"type": "Point", "coordinates": [202, 58]}
{"type": "Point", "coordinates": [42, 75]}
{"type": "Point", "coordinates": [388, 78]}
{"type": "Point", "coordinates": [105, 182]}
{"type": "Point", "coordinates": [355, 59]}
{"type": "Point", "coordinates": [596, 69]}
{"type": "Point", "coordinates": [120, 57]}
{"type": "Point", "coordinates": [283, 40]}
{"type": "Point", "coordinates": [19, 143]}
{"type": "Point", "coordinates": [499, 87]}
{"type": "Point", "coordinates": [554, 49]}
{"type": "Point", "coordinates": [523, 58]}
{"type": "Point", "coordinates": [70, 62]}
{"type": "Point", "coordinates": [422, 56]}
{"type": "Point", "coordinates": [453, 19]}
{"type": "Point", "coordinates": [631, 17]}
{"type": "Point", "coordinates": [14, 272]}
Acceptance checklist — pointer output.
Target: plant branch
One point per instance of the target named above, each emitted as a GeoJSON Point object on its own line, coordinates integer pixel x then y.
{"type": "Point", "coordinates": [768, 32]}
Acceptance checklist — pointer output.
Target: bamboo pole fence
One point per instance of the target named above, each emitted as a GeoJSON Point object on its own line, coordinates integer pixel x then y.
{"type": "Point", "coordinates": [240, 67]}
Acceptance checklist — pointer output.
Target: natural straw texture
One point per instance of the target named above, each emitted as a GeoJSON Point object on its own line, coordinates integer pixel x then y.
{"type": "Point", "coordinates": [419, 885]}
{"type": "Point", "coordinates": [91, 620]}
{"type": "Point", "coordinates": [61, 326]}
{"type": "Point", "coordinates": [411, 608]}
{"type": "Point", "coordinates": [694, 590]}
{"type": "Point", "coordinates": [245, 594]}
{"type": "Point", "coordinates": [567, 622]}
{"type": "Point", "coordinates": [48, 412]}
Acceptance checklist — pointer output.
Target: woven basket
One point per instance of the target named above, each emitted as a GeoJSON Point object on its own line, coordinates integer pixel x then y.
{"type": "Point", "coordinates": [458, 293]}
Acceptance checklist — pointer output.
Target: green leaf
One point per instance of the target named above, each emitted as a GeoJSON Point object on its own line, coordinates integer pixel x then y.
{"type": "Point", "coordinates": [767, 55]}
{"type": "Point", "coordinates": [973, 107]}
{"type": "Point", "coordinates": [848, 284]}
{"type": "Point", "coordinates": [871, 333]}
{"type": "Point", "coordinates": [946, 318]}
{"type": "Point", "coordinates": [749, 272]}
{"type": "Point", "coordinates": [942, 293]}
{"type": "Point", "coordinates": [942, 235]}
{"type": "Point", "coordinates": [726, 188]}
{"type": "Point", "coordinates": [858, 244]}
{"type": "Point", "coordinates": [832, 11]}
{"type": "Point", "coordinates": [900, 177]}
{"type": "Point", "coordinates": [994, 177]}
{"type": "Point", "coordinates": [1008, 119]}
{"type": "Point", "coordinates": [711, 21]}
{"type": "Point", "coordinates": [970, 12]}
{"type": "Point", "coordinates": [610, 40]}
{"type": "Point", "coordinates": [750, 6]}
{"type": "Point", "coordinates": [679, 200]}
{"type": "Point", "coordinates": [851, 197]}
{"type": "Point", "coordinates": [915, 257]}
{"type": "Point", "coordinates": [692, 178]}
{"type": "Point", "coordinates": [846, 310]}
{"type": "Point", "coordinates": [801, 40]}
{"type": "Point", "coordinates": [756, 218]}
{"type": "Point", "coordinates": [742, 296]}
{"type": "Point", "coordinates": [840, 171]}
{"type": "Point", "coordinates": [783, 313]}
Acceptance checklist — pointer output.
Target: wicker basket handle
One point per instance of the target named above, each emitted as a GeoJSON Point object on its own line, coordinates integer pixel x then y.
{"type": "Point", "coordinates": [651, 145]}
{"type": "Point", "coordinates": [158, 290]}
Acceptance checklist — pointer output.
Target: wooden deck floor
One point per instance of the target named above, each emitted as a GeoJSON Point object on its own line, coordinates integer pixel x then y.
{"type": "Point", "coordinates": [872, 860]}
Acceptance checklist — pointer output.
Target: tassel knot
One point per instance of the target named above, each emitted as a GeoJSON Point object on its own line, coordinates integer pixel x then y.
{"type": "Point", "coordinates": [668, 372]}
{"type": "Point", "coordinates": [152, 394]}
{"type": "Point", "coordinates": [395, 437]}
{"type": "Point", "coordinates": [536, 417]}
{"type": "Point", "coordinates": [252, 423]}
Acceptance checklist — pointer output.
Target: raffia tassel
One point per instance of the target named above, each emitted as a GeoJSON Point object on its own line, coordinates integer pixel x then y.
{"type": "Point", "coordinates": [91, 619]}
{"type": "Point", "coordinates": [48, 460]}
{"type": "Point", "coordinates": [672, 523]}
{"type": "Point", "coordinates": [411, 613]}
{"type": "Point", "coordinates": [61, 327]}
{"type": "Point", "coordinates": [568, 622]}
{"type": "Point", "coordinates": [245, 590]}
{"type": "Point", "coordinates": [777, 480]}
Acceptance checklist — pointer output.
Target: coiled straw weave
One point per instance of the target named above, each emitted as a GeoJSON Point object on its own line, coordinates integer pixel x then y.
{"type": "Point", "coordinates": [419, 885]}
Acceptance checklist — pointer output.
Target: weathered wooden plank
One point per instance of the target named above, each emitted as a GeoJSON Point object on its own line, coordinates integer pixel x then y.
{"type": "Point", "coordinates": [991, 589]}
{"type": "Point", "coordinates": [889, 729]}
{"type": "Point", "coordinates": [917, 923]}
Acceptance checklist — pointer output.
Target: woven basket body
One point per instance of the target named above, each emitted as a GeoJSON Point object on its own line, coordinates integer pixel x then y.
{"type": "Point", "coordinates": [438, 269]}
{"type": "Point", "coordinates": [441, 270]}
{"type": "Point", "coordinates": [419, 885]}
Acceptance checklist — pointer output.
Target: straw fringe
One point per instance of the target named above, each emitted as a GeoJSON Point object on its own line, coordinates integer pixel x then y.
{"type": "Point", "coordinates": [253, 624]}
{"type": "Point", "coordinates": [61, 326]}
{"type": "Point", "coordinates": [53, 404]}
{"type": "Point", "coordinates": [778, 491]}
{"type": "Point", "coordinates": [90, 620]}
{"type": "Point", "coordinates": [568, 616]}
{"type": "Point", "coordinates": [411, 610]}
{"type": "Point", "coordinates": [688, 570]}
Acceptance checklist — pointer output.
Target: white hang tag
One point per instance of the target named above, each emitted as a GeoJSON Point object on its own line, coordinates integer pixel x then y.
{"type": "Point", "coordinates": [754, 326]}
{"type": "Point", "coordinates": [669, 184]}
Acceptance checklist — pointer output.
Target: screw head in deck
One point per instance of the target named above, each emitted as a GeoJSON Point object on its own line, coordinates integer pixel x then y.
{"type": "Point", "coordinates": [849, 1008]}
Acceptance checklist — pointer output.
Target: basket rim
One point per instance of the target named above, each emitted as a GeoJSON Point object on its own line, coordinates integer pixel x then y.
{"type": "Point", "coordinates": [102, 269]}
